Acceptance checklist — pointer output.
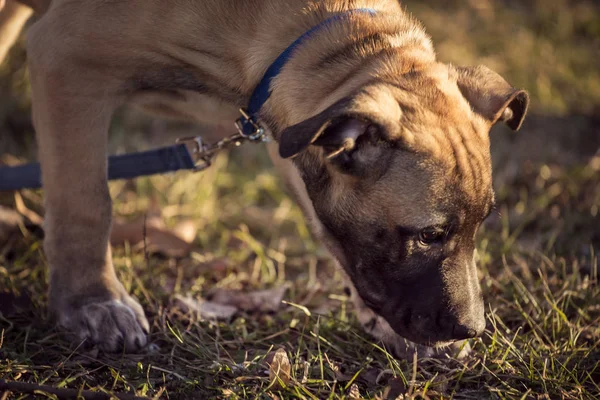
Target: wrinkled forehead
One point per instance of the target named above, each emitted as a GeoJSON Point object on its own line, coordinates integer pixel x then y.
{"type": "Point", "coordinates": [418, 191]}
{"type": "Point", "coordinates": [427, 99]}
{"type": "Point", "coordinates": [443, 159]}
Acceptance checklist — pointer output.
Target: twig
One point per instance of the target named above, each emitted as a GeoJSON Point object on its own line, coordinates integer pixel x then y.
{"type": "Point", "coordinates": [32, 388]}
{"type": "Point", "coordinates": [146, 258]}
{"type": "Point", "coordinates": [175, 374]}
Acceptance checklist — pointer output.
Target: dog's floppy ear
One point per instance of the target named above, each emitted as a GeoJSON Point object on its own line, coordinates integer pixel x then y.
{"type": "Point", "coordinates": [333, 129]}
{"type": "Point", "coordinates": [492, 97]}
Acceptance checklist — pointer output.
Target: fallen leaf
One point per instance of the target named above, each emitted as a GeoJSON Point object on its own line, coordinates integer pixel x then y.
{"type": "Point", "coordinates": [202, 309]}
{"type": "Point", "coordinates": [165, 242]}
{"type": "Point", "coordinates": [186, 229]}
{"type": "Point", "coordinates": [279, 369]}
{"type": "Point", "coordinates": [370, 376]}
{"type": "Point", "coordinates": [396, 389]}
{"type": "Point", "coordinates": [158, 238]}
{"type": "Point", "coordinates": [31, 215]}
{"type": "Point", "coordinates": [131, 232]}
{"type": "Point", "coordinates": [336, 368]}
{"type": "Point", "coordinates": [354, 393]}
{"type": "Point", "coordinates": [262, 300]}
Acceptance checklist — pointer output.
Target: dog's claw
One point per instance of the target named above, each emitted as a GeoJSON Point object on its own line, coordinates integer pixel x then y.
{"type": "Point", "coordinates": [113, 325]}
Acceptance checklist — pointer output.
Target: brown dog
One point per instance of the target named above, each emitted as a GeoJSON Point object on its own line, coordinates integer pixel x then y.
{"type": "Point", "coordinates": [398, 208]}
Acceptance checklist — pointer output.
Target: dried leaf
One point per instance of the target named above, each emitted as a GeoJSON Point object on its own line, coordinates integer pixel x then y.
{"type": "Point", "coordinates": [370, 376]}
{"type": "Point", "coordinates": [396, 389]}
{"type": "Point", "coordinates": [127, 232]}
{"type": "Point", "coordinates": [186, 229]}
{"type": "Point", "coordinates": [32, 216]}
{"type": "Point", "coordinates": [165, 242]}
{"type": "Point", "coordinates": [203, 309]}
{"type": "Point", "coordinates": [354, 393]}
{"type": "Point", "coordinates": [336, 368]}
{"type": "Point", "coordinates": [158, 238]}
{"type": "Point", "coordinates": [262, 301]}
{"type": "Point", "coordinates": [279, 369]}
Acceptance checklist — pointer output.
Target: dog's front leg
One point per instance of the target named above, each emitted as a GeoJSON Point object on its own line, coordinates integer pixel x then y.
{"type": "Point", "coordinates": [72, 108]}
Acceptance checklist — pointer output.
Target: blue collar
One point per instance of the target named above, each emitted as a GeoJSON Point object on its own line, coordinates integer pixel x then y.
{"type": "Point", "coordinates": [248, 124]}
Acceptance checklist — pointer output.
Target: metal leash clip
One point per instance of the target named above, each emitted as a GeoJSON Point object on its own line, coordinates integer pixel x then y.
{"type": "Point", "coordinates": [198, 151]}
{"type": "Point", "coordinates": [203, 154]}
{"type": "Point", "coordinates": [248, 127]}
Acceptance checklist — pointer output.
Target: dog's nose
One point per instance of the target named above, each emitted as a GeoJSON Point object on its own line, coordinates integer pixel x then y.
{"type": "Point", "coordinates": [461, 332]}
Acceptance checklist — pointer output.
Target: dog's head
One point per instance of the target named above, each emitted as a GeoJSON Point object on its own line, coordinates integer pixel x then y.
{"type": "Point", "coordinates": [399, 177]}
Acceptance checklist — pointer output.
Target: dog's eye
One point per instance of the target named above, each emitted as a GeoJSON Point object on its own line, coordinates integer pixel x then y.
{"type": "Point", "coordinates": [431, 236]}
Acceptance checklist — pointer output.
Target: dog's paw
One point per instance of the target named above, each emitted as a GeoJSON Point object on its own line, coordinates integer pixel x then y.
{"type": "Point", "coordinates": [112, 325]}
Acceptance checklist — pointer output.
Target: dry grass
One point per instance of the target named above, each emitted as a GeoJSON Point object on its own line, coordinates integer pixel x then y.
{"type": "Point", "coordinates": [539, 266]}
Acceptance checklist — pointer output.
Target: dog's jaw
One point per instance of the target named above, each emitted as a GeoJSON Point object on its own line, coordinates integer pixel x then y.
{"type": "Point", "coordinates": [400, 347]}
{"type": "Point", "coordinates": [372, 323]}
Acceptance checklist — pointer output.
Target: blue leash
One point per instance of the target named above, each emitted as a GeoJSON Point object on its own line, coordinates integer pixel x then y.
{"type": "Point", "coordinates": [178, 157]}
{"type": "Point", "coordinates": [126, 166]}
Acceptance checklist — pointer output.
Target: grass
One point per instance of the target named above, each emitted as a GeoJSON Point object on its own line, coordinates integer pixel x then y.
{"type": "Point", "coordinates": [538, 257]}
{"type": "Point", "coordinates": [543, 333]}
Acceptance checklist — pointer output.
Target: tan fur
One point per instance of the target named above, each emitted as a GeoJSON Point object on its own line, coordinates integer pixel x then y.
{"type": "Point", "coordinates": [201, 60]}
{"type": "Point", "coordinates": [12, 18]}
